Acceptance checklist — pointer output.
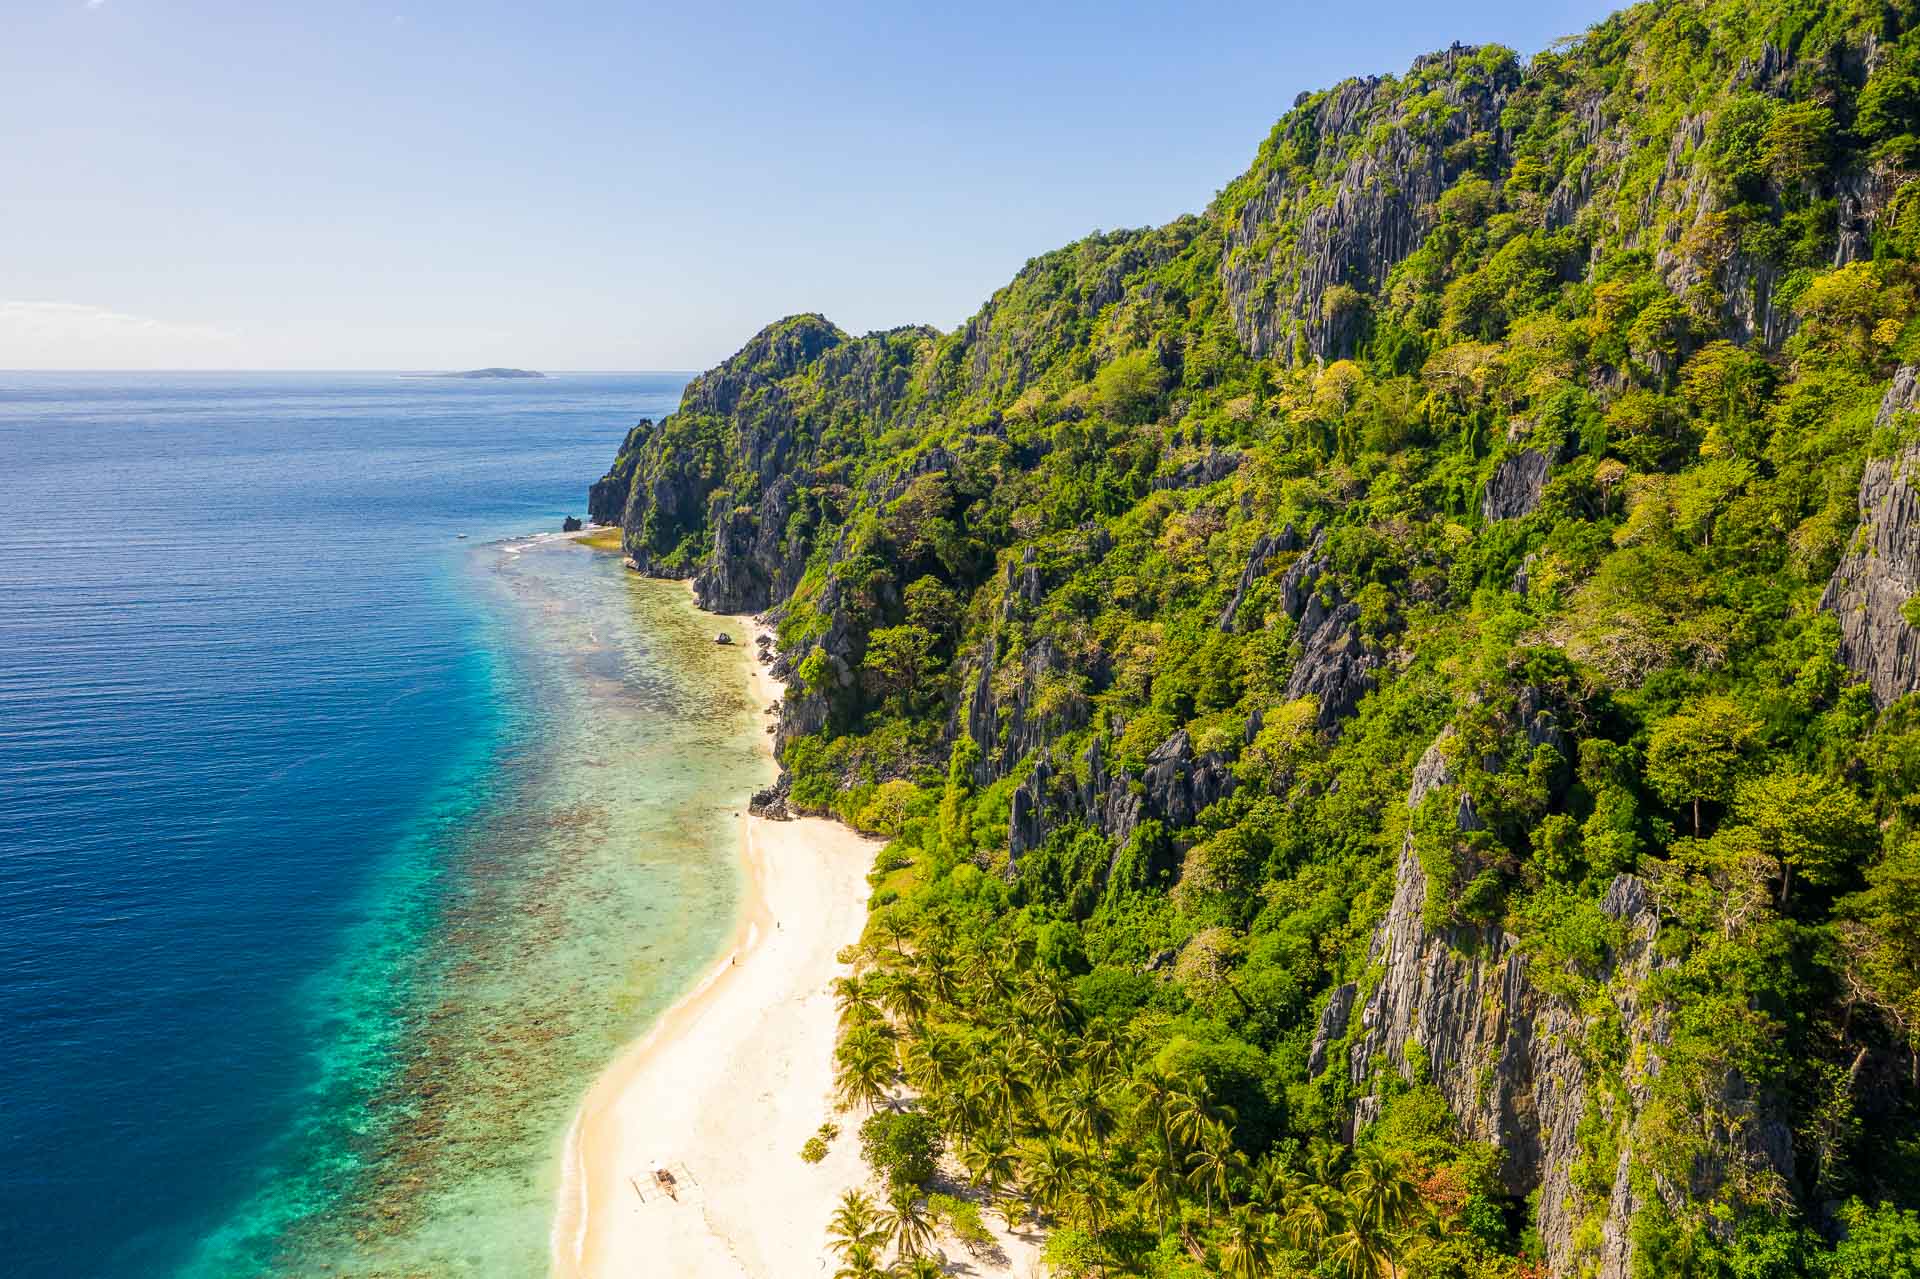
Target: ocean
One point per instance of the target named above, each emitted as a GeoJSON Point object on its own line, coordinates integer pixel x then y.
{"type": "Point", "coordinates": [338, 851]}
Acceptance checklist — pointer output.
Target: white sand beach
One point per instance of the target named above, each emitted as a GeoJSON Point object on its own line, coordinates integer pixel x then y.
{"type": "Point", "coordinates": [725, 1089]}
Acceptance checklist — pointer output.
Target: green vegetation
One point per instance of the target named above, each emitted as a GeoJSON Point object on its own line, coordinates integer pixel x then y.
{"type": "Point", "coordinates": [1035, 577]}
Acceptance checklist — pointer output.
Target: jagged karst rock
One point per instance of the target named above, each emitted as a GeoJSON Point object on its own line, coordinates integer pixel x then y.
{"type": "Point", "coordinates": [1332, 1025]}
{"type": "Point", "coordinates": [607, 497]}
{"type": "Point", "coordinates": [1881, 569]}
{"type": "Point", "coordinates": [570, 524]}
{"type": "Point", "coordinates": [1336, 663]}
{"type": "Point", "coordinates": [1265, 547]}
{"type": "Point", "coordinates": [1514, 488]}
{"type": "Point", "coordinates": [1507, 1056]}
{"type": "Point", "coordinates": [770, 802]}
{"type": "Point", "coordinates": [1217, 465]}
{"type": "Point", "coordinates": [1385, 171]}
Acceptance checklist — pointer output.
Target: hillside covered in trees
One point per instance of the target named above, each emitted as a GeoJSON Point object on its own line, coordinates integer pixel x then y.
{"type": "Point", "coordinates": [1393, 696]}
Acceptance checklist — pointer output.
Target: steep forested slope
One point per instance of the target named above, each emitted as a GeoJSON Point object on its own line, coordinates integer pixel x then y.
{"type": "Point", "coordinates": [1393, 695]}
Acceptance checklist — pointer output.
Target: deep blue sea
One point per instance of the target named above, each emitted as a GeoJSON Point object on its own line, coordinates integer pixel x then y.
{"type": "Point", "coordinates": [275, 796]}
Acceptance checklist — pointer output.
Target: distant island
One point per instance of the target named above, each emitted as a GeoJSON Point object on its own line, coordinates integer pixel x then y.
{"type": "Point", "coordinates": [491, 373]}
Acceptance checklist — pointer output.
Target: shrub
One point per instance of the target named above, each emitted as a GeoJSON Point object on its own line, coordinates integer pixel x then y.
{"type": "Point", "coordinates": [904, 1146]}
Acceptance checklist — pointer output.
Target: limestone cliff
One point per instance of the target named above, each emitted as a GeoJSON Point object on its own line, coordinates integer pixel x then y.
{"type": "Point", "coordinates": [1872, 587]}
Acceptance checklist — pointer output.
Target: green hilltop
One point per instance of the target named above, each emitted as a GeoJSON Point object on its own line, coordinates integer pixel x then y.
{"type": "Point", "coordinates": [1392, 697]}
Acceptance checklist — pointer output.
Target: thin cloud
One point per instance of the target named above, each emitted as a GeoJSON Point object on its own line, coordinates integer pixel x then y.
{"type": "Point", "coordinates": [74, 334]}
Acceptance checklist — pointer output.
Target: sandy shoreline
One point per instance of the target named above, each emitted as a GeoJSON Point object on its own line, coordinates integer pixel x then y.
{"type": "Point", "coordinates": [729, 1083]}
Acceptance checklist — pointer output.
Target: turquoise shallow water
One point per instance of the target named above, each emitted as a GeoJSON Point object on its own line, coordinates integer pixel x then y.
{"type": "Point", "coordinates": [336, 854]}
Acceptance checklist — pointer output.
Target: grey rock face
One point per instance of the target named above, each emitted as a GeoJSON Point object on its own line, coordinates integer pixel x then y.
{"type": "Point", "coordinates": [1217, 465]}
{"type": "Point", "coordinates": [1385, 171]}
{"type": "Point", "coordinates": [1331, 1026]}
{"type": "Point", "coordinates": [607, 498]}
{"type": "Point", "coordinates": [1265, 547]}
{"type": "Point", "coordinates": [1513, 490]}
{"type": "Point", "coordinates": [1881, 569]}
{"type": "Point", "coordinates": [1506, 1055]}
{"type": "Point", "coordinates": [1335, 663]}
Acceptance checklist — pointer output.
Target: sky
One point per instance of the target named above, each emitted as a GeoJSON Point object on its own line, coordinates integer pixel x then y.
{"type": "Point", "coordinates": [342, 185]}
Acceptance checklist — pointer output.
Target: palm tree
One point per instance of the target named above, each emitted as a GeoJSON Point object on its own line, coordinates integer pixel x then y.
{"type": "Point", "coordinates": [1275, 1185]}
{"type": "Point", "coordinates": [932, 1059]}
{"type": "Point", "coordinates": [894, 929]}
{"type": "Point", "coordinates": [1158, 1192]}
{"type": "Point", "coordinates": [866, 1068]}
{"type": "Point", "coordinates": [1102, 1051]}
{"type": "Point", "coordinates": [907, 1222]}
{"type": "Point", "coordinates": [1381, 1190]}
{"type": "Point", "coordinates": [1211, 1166]}
{"type": "Point", "coordinates": [1190, 1113]}
{"type": "Point", "coordinates": [1050, 1175]}
{"type": "Point", "coordinates": [857, 998]}
{"type": "Point", "coordinates": [854, 1224]}
{"type": "Point", "coordinates": [1246, 1251]}
{"type": "Point", "coordinates": [989, 1162]}
{"type": "Point", "coordinates": [1314, 1217]}
{"type": "Point", "coordinates": [1154, 1093]}
{"type": "Point", "coordinates": [1047, 1055]}
{"type": "Point", "coordinates": [919, 1268]}
{"type": "Point", "coordinates": [937, 973]}
{"type": "Point", "coordinates": [1323, 1161]}
{"type": "Point", "coordinates": [1361, 1250]}
{"type": "Point", "coordinates": [1084, 1113]}
{"type": "Point", "coordinates": [1002, 1083]}
{"type": "Point", "coordinates": [1049, 1000]}
{"type": "Point", "coordinates": [902, 996]}
{"type": "Point", "coordinates": [859, 1263]}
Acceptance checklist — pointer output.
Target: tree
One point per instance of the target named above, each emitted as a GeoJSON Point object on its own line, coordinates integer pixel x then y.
{"type": "Point", "coordinates": [1157, 1191]}
{"type": "Point", "coordinates": [1380, 1190]}
{"type": "Point", "coordinates": [1191, 1113]}
{"type": "Point", "coordinates": [1796, 144]}
{"type": "Point", "coordinates": [858, 999]}
{"type": "Point", "coordinates": [1084, 1113]}
{"type": "Point", "coordinates": [855, 1224]}
{"type": "Point", "coordinates": [897, 657]}
{"type": "Point", "coordinates": [1210, 1168]}
{"type": "Point", "coordinates": [865, 1059]}
{"type": "Point", "coordinates": [905, 1147]}
{"type": "Point", "coordinates": [908, 1222]}
{"type": "Point", "coordinates": [920, 1268]}
{"type": "Point", "coordinates": [1695, 755]}
{"type": "Point", "coordinates": [990, 1164]}
{"type": "Point", "coordinates": [1815, 826]}
{"type": "Point", "coordinates": [1246, 1251]}
{"type": "Point", "coordinates": [859, 1262]}
{"type": "Point", "coordinates": [1127, 388]}
{"type": "Point", "coordinates": [1049, 1174]}
{"type": "Point", "coordinates": [1880, 941]}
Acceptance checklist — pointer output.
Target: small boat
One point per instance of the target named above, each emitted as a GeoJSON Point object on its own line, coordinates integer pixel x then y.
{"type": "Point", "coordinates": [461, 536]}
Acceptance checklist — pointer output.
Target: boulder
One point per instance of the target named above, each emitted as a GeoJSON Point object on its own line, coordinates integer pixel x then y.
{"type": "Point", "coordinates": [571, 524]}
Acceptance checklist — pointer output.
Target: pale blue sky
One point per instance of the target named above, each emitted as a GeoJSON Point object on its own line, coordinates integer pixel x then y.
{"type": "Point", "coordinates": [592, 185]}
